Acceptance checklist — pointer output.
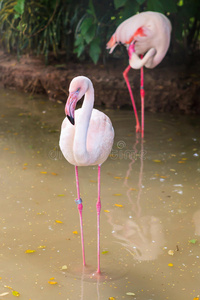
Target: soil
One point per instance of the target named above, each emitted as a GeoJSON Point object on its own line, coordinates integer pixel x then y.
{"type": "Point", "coordinates": [170, 87]}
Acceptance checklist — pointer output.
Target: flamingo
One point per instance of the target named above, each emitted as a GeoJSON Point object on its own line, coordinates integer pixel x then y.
{"type": "Point", "coordinates": [86, 139]}
{"type": "Point", "coordinates": [148, 34]}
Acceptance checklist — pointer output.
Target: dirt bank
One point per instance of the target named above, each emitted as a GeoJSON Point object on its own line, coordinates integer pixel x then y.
{"type": "Point", "coordinates": [168, 87]}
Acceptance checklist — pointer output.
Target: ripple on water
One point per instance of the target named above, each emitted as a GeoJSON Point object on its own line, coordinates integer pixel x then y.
{"type": "Point", "coordinates": [109, 272]}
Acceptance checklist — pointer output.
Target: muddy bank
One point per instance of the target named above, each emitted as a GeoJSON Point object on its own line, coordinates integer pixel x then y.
{"type": "Point", "coordinates": [169, 88]}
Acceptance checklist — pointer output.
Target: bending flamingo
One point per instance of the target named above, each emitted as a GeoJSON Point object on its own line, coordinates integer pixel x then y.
{"type": "Point", "coordinates": [148, 34]}
{"type": "Point", "coordinates": [86, 139]}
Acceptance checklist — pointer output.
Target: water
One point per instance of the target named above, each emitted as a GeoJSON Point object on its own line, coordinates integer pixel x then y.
{"type": "Point", "coordinates": [150, 208]}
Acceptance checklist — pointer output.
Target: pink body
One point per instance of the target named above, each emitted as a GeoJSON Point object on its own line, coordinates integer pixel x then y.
{"type": "Point", "coordinates": [148, 31]}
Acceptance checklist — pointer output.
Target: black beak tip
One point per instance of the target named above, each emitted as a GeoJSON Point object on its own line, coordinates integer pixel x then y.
{"type": "Point", "coordinates": [71, 119]}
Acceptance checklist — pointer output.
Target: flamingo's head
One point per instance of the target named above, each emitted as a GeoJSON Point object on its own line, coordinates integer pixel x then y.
{"type": "Point", "coordinates": [112, 43]}
{"type": "Point", "coordinates": [77, 89]}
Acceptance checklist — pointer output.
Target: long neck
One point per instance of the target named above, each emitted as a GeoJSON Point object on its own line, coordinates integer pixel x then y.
{"type": "Point", "coordinates": [82, 124]}
{"type": "Point", "coordinates": [137, 63]}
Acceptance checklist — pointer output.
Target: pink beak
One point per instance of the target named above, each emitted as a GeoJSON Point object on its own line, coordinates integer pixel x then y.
{"type": "Point", "coordinates": [70, 106]}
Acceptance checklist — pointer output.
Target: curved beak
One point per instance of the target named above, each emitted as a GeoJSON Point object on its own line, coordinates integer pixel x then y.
{"type": "Point", "coordinates": [70, 106]}
{"type": "Point", "coordinates": [111, 44]}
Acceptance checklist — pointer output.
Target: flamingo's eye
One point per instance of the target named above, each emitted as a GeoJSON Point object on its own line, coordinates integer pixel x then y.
{"type": "Point", "coordinates": [78, 90]}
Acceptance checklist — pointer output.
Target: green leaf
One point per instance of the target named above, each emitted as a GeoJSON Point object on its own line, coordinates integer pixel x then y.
{"type": "Point", "coordinates": [155, 5]}
{"type": "Point", "coordinates": [95, 50]}
{"type": "Point", "coordinates": [86, 24]}
{"type": "Point", "coordinates": [193, 241]}
{"type": "Point", "coordinates": [141, 1]}
{"type": "Point", "coordinates": [119, 3]}
{"type": "Point", "coordinates": [19, 7]}
{"type": "Point", "coordinates": [90, 34]}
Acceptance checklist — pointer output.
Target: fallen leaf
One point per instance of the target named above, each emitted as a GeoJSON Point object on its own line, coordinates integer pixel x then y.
{"type": "Point", "coordinates": [4, 294]}
{"type": "Point", "coordinates": [41, 247]}
{"type": "Point", "coordinates": [106, 210]}
{"type": "Point", "coordinates": [117, 177]}
{"type": "Point", "coordinates": [43, 172]}
{"type": "Point", "coordinates": [15, 293]}
{"type": "Point", "coordinates": [181, 162]}
{"type": "Point", "coordinates": [111, 298]}
{"type": "Point", "coordinates": [75, 232]}
{"type": "Point", "coordinates": [57, 221]}
{"type": "Point", "coordinates": [196, 298]}
{"type": "Point", "coordinates": [64, 267]}
{"type": "Point", "coordinates": [193, 241]}
{"type": "Point", "coordinates": [52, 173]}
{"type": "Point", "coordinates": [8, 287]}
{"type": "Point", "coordinates": [61, 195]}
{"type": "Point", "coordinates": [130, 294]}
{"type": "Point", "coordinates": [52, 282]}
{"type": "Point", "coordinates": [119, 205]}
{"type": "Point", "coordinates": [157, 160]}
{"type": "Point", "coordinates": [117, 194]}
{"type": "Point", "coordinates": [29, 251]}
{"type": "Point", "coordinates": [104, 252]}
{"type": "Point", "coordinates": [171, 252]}
{"type": "Point", "coordinates": [184, 158]}
{"type": "Point", "coordinates": [170, 265]}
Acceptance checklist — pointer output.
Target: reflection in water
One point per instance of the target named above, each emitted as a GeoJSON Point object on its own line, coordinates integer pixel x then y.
{"type": "Point", "coordinates": [142, 236]}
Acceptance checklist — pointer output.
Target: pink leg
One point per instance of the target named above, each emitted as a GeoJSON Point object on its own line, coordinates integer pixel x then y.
{"type": "Point", "coordinates": [125, 75]}
{"type": "Point", "coordinates": [80, 208]}
{"type": "Point", "coordinates": [98, 206]}
{"type": "Point", "coordinates": [142, 93]}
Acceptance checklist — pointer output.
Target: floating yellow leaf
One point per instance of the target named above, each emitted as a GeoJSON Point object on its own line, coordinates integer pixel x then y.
{"type": "Point", "coordinates": [117, 194]}
{"type": "Point", "coordinates": [93, 181]}
{"type": "Point", "coordinates": [172, 170]}
{"type": "Point", "coordinates": [52, 173]}
{"type": "Point", "coordinates": [64, 267]}
{"type": "Point", "coordinates": [41, 247]}
{"type": "Point", "coordinates": [111, 298]}
{"type": "Point", "coordinates": [170, 265]}
{"type": "Point", "coordinates": [43, 172]}
{"type": "Point", "coordinates": [117, 177]}
{"type": "Point", "coordinates": [181, 162]}
{"type": "Point", "coordinates": [57, 221]}
{"type": "Point", "coordinates": [184, 158]}
{"type": "Point", "coordinates": [118, 205]}
{"type": "Point", "coordinates": [52, 282]}
{"type": "Point", "coordinates": [75, 232]}
{"type": "Point", "coordinates": [61, 195]}
{"type": "Point", "coordinates": [29, 251]}
{"type": "Point", "coordinates": [104, 252]}
{"type": "Point", "coordinates": [196, 298]}
{"type": "Point", "coordinates": [106, 210]}
{"type": "Point", "coordinates": [157, 160]}
{"type": "Point", "coordinates": [52, 278]}
{"type": "Point", "coordinates": [133, 189]}
{"type": "Point", "coordinates": [15, 293]}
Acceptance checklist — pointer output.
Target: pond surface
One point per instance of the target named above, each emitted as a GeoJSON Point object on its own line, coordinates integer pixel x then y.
{"type": "Point", "coordinates": [150, 220]}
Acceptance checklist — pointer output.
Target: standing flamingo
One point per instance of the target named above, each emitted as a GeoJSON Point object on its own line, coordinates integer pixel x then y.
{"type": "Point", "coordinates": [86, 139]}
{"type": "Point", "coordinates": [148, 34]}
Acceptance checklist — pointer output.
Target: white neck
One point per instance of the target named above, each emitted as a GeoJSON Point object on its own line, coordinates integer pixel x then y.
{"type": "Point", "coordinates": [82, 124]}
{"type": "Point", "coordinates": [137, 63]}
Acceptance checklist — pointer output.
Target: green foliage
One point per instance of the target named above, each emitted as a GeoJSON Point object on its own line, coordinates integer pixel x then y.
{"type": "Point", "coordinates": [81, 28]}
